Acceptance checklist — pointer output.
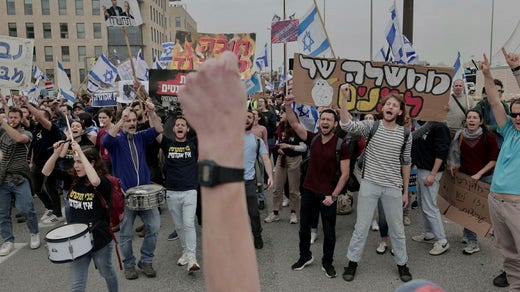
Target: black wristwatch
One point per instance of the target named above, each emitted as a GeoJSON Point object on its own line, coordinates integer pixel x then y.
{"type": "Point", "coordinates": [212, 174]}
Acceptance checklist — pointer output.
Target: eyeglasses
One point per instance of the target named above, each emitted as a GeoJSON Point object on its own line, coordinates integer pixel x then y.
{"type": "Point", "coordinates": [514, 115]}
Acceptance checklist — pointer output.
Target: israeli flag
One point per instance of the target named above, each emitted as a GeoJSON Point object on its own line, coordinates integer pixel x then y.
{"type": "Point", "coordinates": [38, 74]}
{"type": "Point", "coordinates": [167, 53]}
{"type": "Point", "coordinates": [394, 38]}
{"type": "Point", "coordinates": [308, 115]}
{"type": "Point", "coordinates": [254, 84]}
{"type": "Point", "coordinates": [261, 61]}
{"type": "Point", "coordinates": [104, 73]}
{"type": "Point", "coordinates": [409, 51]}
{"type": "Point", "coordinates": [64, 86]}
{"type": "Point", "coordinates": [458, 72]}
{"type": "Point", "coordinates": [142, 69]}
{"type": "Point", "coordinates": [312, 38]}
{"type": "Point", "coordinates": [156, 64]}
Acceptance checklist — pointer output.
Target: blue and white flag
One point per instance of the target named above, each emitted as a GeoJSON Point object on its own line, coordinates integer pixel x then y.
{"type": "Point", "coordinates": [409, 51]}
{"type": "Point", "coordinates": [458, 72]}
{"type": "Point", "coordinates": [104, 73]}
{"type": "Point", "coordinates": [261, 61]}
{"type": "Point", "coordinates": [307, 114]}
{"type": "Point", "coordinates": [312, 38]}
{"type": "Point", "coordinates": [141, 67]}
{"type": "Point", "coordinates": [167, 53]}
{"type": "Point", "coordinates": [64, 86]}
{"type": "Point", "coordinates": [156, 64]}
{"type": "Point", "coordinates": [394, 38]}
{"type": "Point", "coordinates": [254, 84]}
{"type": "Point", "coordinates": [383, 55]}
{"type": "Point", "coordinates": [38, 74]}
{"type": "Point", "coordinates": [268, 86]}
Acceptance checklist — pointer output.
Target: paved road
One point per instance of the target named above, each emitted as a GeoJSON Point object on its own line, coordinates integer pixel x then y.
{"type": "Point", "coordinates": [28, 270]}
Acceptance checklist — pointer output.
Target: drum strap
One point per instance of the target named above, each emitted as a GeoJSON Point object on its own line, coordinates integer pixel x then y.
{"type": "Point", "coordinates": [105, 205]}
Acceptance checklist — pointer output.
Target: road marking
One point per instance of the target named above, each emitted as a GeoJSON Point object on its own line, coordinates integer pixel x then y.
{"type": "Point", "coordinates": [17, 247]}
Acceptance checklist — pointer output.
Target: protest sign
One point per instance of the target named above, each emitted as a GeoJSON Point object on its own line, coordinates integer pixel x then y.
{"type": "Point", "coordinates": [284, 31]}
{"type": "Point", "coordinates": [468, 205]}
{"type": "Point", "coordinates": [192, 48]}
{"type": "Point", "coordinates": [15, 62]}
{"type": "Point", "coordinates": [164, 85]}
{"type": "Point", "coordinates": [121, 12]}
{"type": "Point", "coordinates": [253, 85]}
{"type": "Point", "coordinates": [104, 98]}
{"type": "Point", "coordinates": [426, 90]}
{"type": "Point", "coordinates": [127, 91]}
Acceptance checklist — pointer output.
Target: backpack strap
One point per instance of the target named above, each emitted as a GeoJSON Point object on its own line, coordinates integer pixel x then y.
{"type": "Point", "coordinates": [372, 132]}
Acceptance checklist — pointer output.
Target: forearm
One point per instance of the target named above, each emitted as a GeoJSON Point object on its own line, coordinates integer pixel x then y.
{"type": "Point", "coordinates": [489, 166]}
{"type": "Point", "coordinates": [50, 164]}
{"type": "Point", "coordinates": [113, 130]}
{"type": "Point", "coordinates": [155, 122]}
{"type": "Point", "coordinates": [14, 134]}
{"type": "Point", "coordinates": [405, 169]}
{"type": "Point", "coordinates": [268, 166]}
{"type": "Point", "coordinates": [301, 147]}
{"type": "Point", "coordinates": [340, 184]}
{"type": "Point", "coordinates": [436, 166]}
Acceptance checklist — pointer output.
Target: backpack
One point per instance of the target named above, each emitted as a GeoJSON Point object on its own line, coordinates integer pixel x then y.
{"type": "Point", "coordinates": [360, 163]}
{"type": "Point", "coordinates": [259, 167]}
{"type": "Point", "coordinates": [345, 203]}
{"type": "Point", "coordinates": [117, 210]}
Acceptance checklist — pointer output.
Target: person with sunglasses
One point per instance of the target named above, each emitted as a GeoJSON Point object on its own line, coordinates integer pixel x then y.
{"type": "Point", "coordinates": [504, 193]}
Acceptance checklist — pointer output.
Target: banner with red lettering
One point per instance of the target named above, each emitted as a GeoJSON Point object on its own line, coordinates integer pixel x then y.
{"type": "Point", "coordinates": [164, 85]}
{"type": "Point", "coordinates": [426, 90]}
{"type": "Point", "coordinates": [192, 48]}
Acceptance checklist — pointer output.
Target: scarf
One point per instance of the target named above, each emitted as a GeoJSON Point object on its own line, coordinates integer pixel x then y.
{"type": "Point", "coordinates": [454, 154]}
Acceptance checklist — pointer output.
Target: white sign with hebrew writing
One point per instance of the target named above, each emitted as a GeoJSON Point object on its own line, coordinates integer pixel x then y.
{"type": "Point", "coordinates": [15, 62]}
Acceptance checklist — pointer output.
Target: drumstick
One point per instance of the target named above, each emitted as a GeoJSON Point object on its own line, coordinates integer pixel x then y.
{"type": "Point", "coordinates": [70, 131]}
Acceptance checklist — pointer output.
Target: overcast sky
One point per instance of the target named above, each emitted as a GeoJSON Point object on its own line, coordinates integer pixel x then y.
{"type": "Point", "coordinates": [441, 27]}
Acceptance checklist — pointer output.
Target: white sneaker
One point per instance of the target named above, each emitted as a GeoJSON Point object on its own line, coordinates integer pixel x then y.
{"type": "Point", "coordinates": [53, 220]}
{"type": "Point", "coordinates": [440, 247]}
{"type": "Point", "coordinates": [271, 218]}
{"type": "Point", "coordinates": [464, 240]}
{"type": "Point", "coordinates": [285, 202]}
{"type": "Point", "coordinates": [423, 237]}
{"type": "Point", "coordinates": [383, 246]}
{"type": "Point", "coordinates": [6, 248]}
{"type": "Point", "coordinates": [375, 226]}
{"type": "Point", "coordinates": [35, 240]}
{"type": "Point", "coordinates": [294, 219]}
{"type": "Point", "coordinates": [46, 215]}
{"type": "Point", "coordinates": [314, 236]}
{"type": "Point", "coordinates": [470, 249]}
{"type": "Point", "coordinates": [183, 260]}
{"type": "Point", "coordinates": [193, 265]}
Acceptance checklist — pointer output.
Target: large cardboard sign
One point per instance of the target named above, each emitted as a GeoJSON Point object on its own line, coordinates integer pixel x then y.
{"type": "Point", "coordinates": [467, 201]}
{"type": "Point", "coordinates": [191, 49]}
{"type": "Point", "coordinates": [164, 86]}
{"type": "Point", "coordinates": [15, 62]}
{"type": "Point", "coordinates": [127, 91]}
{"type": "Point", "coordinates": [121, 12]}
{"type": "Point", "coordinates": [426, 90]}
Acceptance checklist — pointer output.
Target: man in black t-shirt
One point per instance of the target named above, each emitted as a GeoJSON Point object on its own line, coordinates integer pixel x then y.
{"type": "Point", "coordinates": [180, 169]}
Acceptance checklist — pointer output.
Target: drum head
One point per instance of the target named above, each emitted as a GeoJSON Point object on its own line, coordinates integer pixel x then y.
{"type": "Point", "coordinates": [145, 189]}
{"type": "Point", "coordinates": [65, 232]}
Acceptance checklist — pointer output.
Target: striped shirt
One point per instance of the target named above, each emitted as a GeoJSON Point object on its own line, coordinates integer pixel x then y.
{"type": "Point", "coordinates": [383, 159]}
{"type": "Point", "coordinates": [14, 164]}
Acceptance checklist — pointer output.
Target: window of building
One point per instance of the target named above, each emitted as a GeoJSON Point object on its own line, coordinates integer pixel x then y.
{"type": "Point", "coordinates": [48, 54]}
{"type": "Point", "coordinates": [80, 29]}
{"type": "Point", "coordinates": [65, 54]}
{"type": "Point", "coordinates": [67, 71]}
{"type": "Point", "coordinates": [177, 21]}
{"type": "Point", "coordinates": [97, 30]}
{"type": "Point", "coordinates": [46, 8]}
{"type": "Point", "coordinates": [29, 30]}
{"type": "Point", "coordinates": [79, 7]}
{"type": "Point", "coordinates": [47, 31]}
{"type": "Point", "coordinates": [62, 7]}
{"type": "Point", "coordinates": [96, 7]}
{"type": "Point", "coordinates": [82, 74]}
{"type": "Point", "coordinates": [27, 7]}
{"type": "Point", "coordinates": [34, 54]}
{"type": "Point", "coordinates": [64, 30]}
{"type": "Point", "coordinates": [98, 50]}
{"type": "Point", "coordinates": [12, 29]}
{"type": "Point", "coordinates": [11, 8]}
{"type": "Point", "coordinates": [82, 53]}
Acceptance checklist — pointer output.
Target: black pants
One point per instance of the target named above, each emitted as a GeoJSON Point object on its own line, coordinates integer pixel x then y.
{"type": "Point", "coordinates": [311, 207]}
{"type": "Point", "coordinates": [252, 208]}
{"type": "Point", "coordinates": [47, 190]}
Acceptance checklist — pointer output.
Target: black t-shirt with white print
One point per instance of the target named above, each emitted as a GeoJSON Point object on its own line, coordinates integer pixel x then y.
{"type": "Point", "coordinates": [85, 207]}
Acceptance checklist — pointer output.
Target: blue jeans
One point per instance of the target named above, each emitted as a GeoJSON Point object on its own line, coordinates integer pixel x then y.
{"type": "Point", "coordinates": [391, 200]}
{"type": "Point", "coordinates": [427, 199]}
{"type": "Point", "coordinates": [152, 222]}
{"type": "Point", "coordinates": [102, 260]}
{"type": "Point", "coordinates": [24, 204]}
{"type": "Point", "coordinates": [182, 206]}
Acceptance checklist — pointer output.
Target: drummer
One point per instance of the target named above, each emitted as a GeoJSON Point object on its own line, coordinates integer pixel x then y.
{"type": "Point", "coordinates": [128, 156]}
{"type": "Point", "coordinates": [88, 184]}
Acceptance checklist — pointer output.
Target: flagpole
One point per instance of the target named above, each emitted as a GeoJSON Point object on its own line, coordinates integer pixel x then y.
{"type": "Point", "coordinates": [324, 28]}
{"type": "Point", "coordinates": [82, 83]}
{"type": "Point", "coordinates": [129, 51]}
{"type": "Point", "coordinates": [371, 28]}
{"type": "Point", "coordinates": [284, 56]}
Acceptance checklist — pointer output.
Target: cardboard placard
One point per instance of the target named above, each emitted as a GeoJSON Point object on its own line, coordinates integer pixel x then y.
{"type": "Point", "coordinates": [426, 90]}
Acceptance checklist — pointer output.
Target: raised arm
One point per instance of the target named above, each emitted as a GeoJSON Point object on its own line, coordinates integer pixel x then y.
{"type": "Point", "coordinates": [492, 93]}
{"type": "Point", "coordinates": [17, 136]}
{"type": "Point", "coordinates": [92, 175]}
{"type": "Point", "coordinates": [155, 120]}
{"type": "Point", "coordinates": [38, 114]}
{"type": "Point", "coordinates": [344, 115]}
